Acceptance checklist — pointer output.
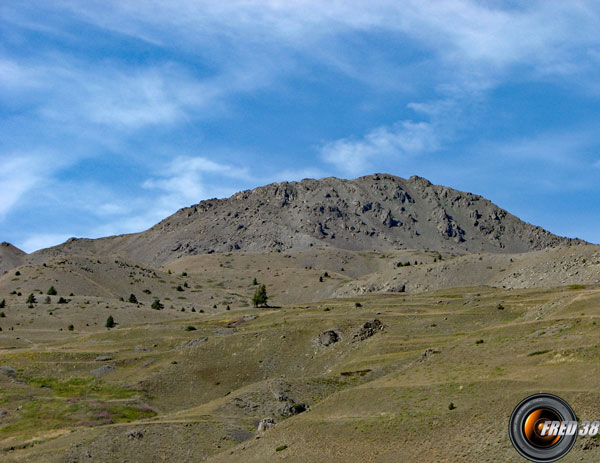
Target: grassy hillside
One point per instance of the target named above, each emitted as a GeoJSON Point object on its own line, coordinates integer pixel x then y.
{"type": "Point", "coordinates": [153, 391]}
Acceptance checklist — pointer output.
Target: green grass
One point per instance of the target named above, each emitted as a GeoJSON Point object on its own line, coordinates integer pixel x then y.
{"type": "Point", "coordinates": [81, 387]}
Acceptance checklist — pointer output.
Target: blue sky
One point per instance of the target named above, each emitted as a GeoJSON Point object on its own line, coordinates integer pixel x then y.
{"type": "Point", "coordinates": [114, 114]}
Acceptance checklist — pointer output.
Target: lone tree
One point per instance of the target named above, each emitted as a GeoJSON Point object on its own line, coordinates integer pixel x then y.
{"type": "Point", "coordinates": [260, 296]}
{"type": "Point", "coordinates": [51, 291]}
{"type": "Point", "coordinates": [133, 299]}
{"type": "Point", "coordinates": [254, 282]}
{"type": "Point", "coordinates": [31, 299]}
{"type": "Point", "coordinates": [156, 305]}
{"type": "Point", "coordinates": [110, 322]}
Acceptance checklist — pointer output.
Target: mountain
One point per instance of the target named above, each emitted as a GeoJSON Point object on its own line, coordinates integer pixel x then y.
{"type": "Point", "coordinates": [375, 212]}
{"type": "Point", "coordinates": [10, 257]}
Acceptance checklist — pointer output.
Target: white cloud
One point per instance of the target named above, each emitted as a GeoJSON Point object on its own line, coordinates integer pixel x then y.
{"type": "Point", "coordinates": [19, 174]}
{"type": "Point", "coordinates": [405, 138]}
{"type": "Point", "coordinates": [37, 241]}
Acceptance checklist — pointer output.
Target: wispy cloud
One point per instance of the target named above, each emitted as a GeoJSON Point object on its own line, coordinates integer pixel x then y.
{"type": "Point", "coordinates": [35, 241]}
{"type": "Point", "coordinates": [183, 181]}
{"type": "Point", "coordinates": [406, 138]}
{"type": "Point", "coordinates": [19, 174]}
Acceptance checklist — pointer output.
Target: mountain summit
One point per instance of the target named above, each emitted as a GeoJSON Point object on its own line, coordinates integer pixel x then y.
{"type": "Point", "coordinates": [375, 212]}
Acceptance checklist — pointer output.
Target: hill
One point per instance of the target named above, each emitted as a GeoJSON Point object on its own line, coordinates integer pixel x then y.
{"type": "Point", "coordinates": [376, 212]}
{"type": "Point", "coordinates": [10, 257]}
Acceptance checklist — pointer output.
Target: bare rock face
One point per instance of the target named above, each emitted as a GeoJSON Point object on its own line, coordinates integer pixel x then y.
{"type": "Point", "coordinates": [368, 329]}
{"type": "Point", "coordinates": [327, 338]}
{"type": "Point", "coordinates": [265, 424]}
{"type": "Point", "coordinates": [378, 211]}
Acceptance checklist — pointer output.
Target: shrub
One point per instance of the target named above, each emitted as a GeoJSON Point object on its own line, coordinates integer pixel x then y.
{"type": "Point", "coordinates": [31, 299]}
{"type": "Point", "coordinates": [193, 309]}
{"type": "Point", "coordinates": [179, 288]}
{"type": "Point", "coordinates": [48, 300]}
{"type": "Point", "coordinates": [132, 299]}
{"type": "Point", "coordinates": [156, 305]}
{"type": "Point", "coordinates": [254, 282]}
{"type": "Point", "coordinates": [201, 311]}
{"type": "Point", "coordinates": [357, 305]}
{"type": "Point", "coordinates": [62, 300]}
{"type": "Point", "coordinates": [2, 315]}
{"type": "Point", "coordinates": [70, 327]}
{"type": "Point", "coordinates": [451, 406]}
{"type": "Point", "coordinates": [260, 296]}
{"type": "Point", "coordinates": [500, 307]}
{"type": "Point", "coordinates": [320, 279]}
{"type": "Point", "coordinates": [185, 284]}
{"type": "Point", "coordinates": [17, 273]}
{"type": "Point", "coordinates": [183, 274]}
{"type": "Point", "coordinates": [228, 308]}
{"type": "Point", "coordinates": [326, 275]}
{"type": "Point", "coordinates": [281, 447]}
{"type": "Point", "coordinates": [110, 322]}
{"type": "Point", "coordinates": [2, 303]}
{"type": "Point", "coordinates": [479, 341]}
{"type": "Point", "coordinates": [52, 291]}
{"type": "Point", "coordinates": [190, 328]}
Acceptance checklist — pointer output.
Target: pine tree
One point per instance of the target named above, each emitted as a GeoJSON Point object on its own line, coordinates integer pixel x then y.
{"type": "Point", "coordinates": [2, 303]}
{"type": "Point", "coordinates": [31, 299]}
{"type": "Point", "coordinates": [156, 305]}
{"type": "Point", "coordinates": [133, 299]}
{"type": "Point", "coordinates": [110, 322]}
{"type": "Point", "coordinates": [52, 291]}
{"type": "Point", "coordinates": [260, 296]}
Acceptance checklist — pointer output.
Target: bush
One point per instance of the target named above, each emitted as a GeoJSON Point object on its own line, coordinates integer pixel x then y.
{"type": "Point", "coordinates": [110, 322]}
{"type": "Point", "coordinates": [451, 406]}
{"type": "Point", "coordinates": [156, 305]}
{"type": "Point", "coordinates": [48, 300]}
{"type": "Point", "coordinates": [70, 327]}
{"type": "Point", "coordinates": [479, 341]}
{"type": "Point", "coordinates": [254, 282]}
{"type": "Point", "coordinates": [357, 305]}
{"type": "Point", "coordinates": [62, 300]}
{"type": "Point", "coordinates": [185, 284]}
{"type": "Point", "coordinates": [500, 307]}
{"type": "Point", "coordinates": [2, 315]}
{"type": "Point", "coordinates": [183, 274]}
{"type": "Point", "coordinates": [193, 309]}
{"type": "Point", "coordinates": [190, 328]}
{"type": "Point", "coordinates": [260, 296]}
{"type": "Point", "coordinates": [132, 299]}
{"type": "Point", "coordinates": [52, 291]}
{"type": "Point", "coordinates": [228, 308]}
{"type": "Point", "coordinates": [17, 273]}
{"type": "Point", "coordinates": [31, 299]}
{"type": "Point", "coordinates": [179, 288]}
{"type": "Point", "coordinates": [2, 303]}
{"type": "Point", "coordinates": [320, 279]}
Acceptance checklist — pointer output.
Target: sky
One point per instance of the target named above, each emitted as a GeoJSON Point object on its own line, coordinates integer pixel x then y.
{"type": "Point", "coordinates": [116, 113]}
